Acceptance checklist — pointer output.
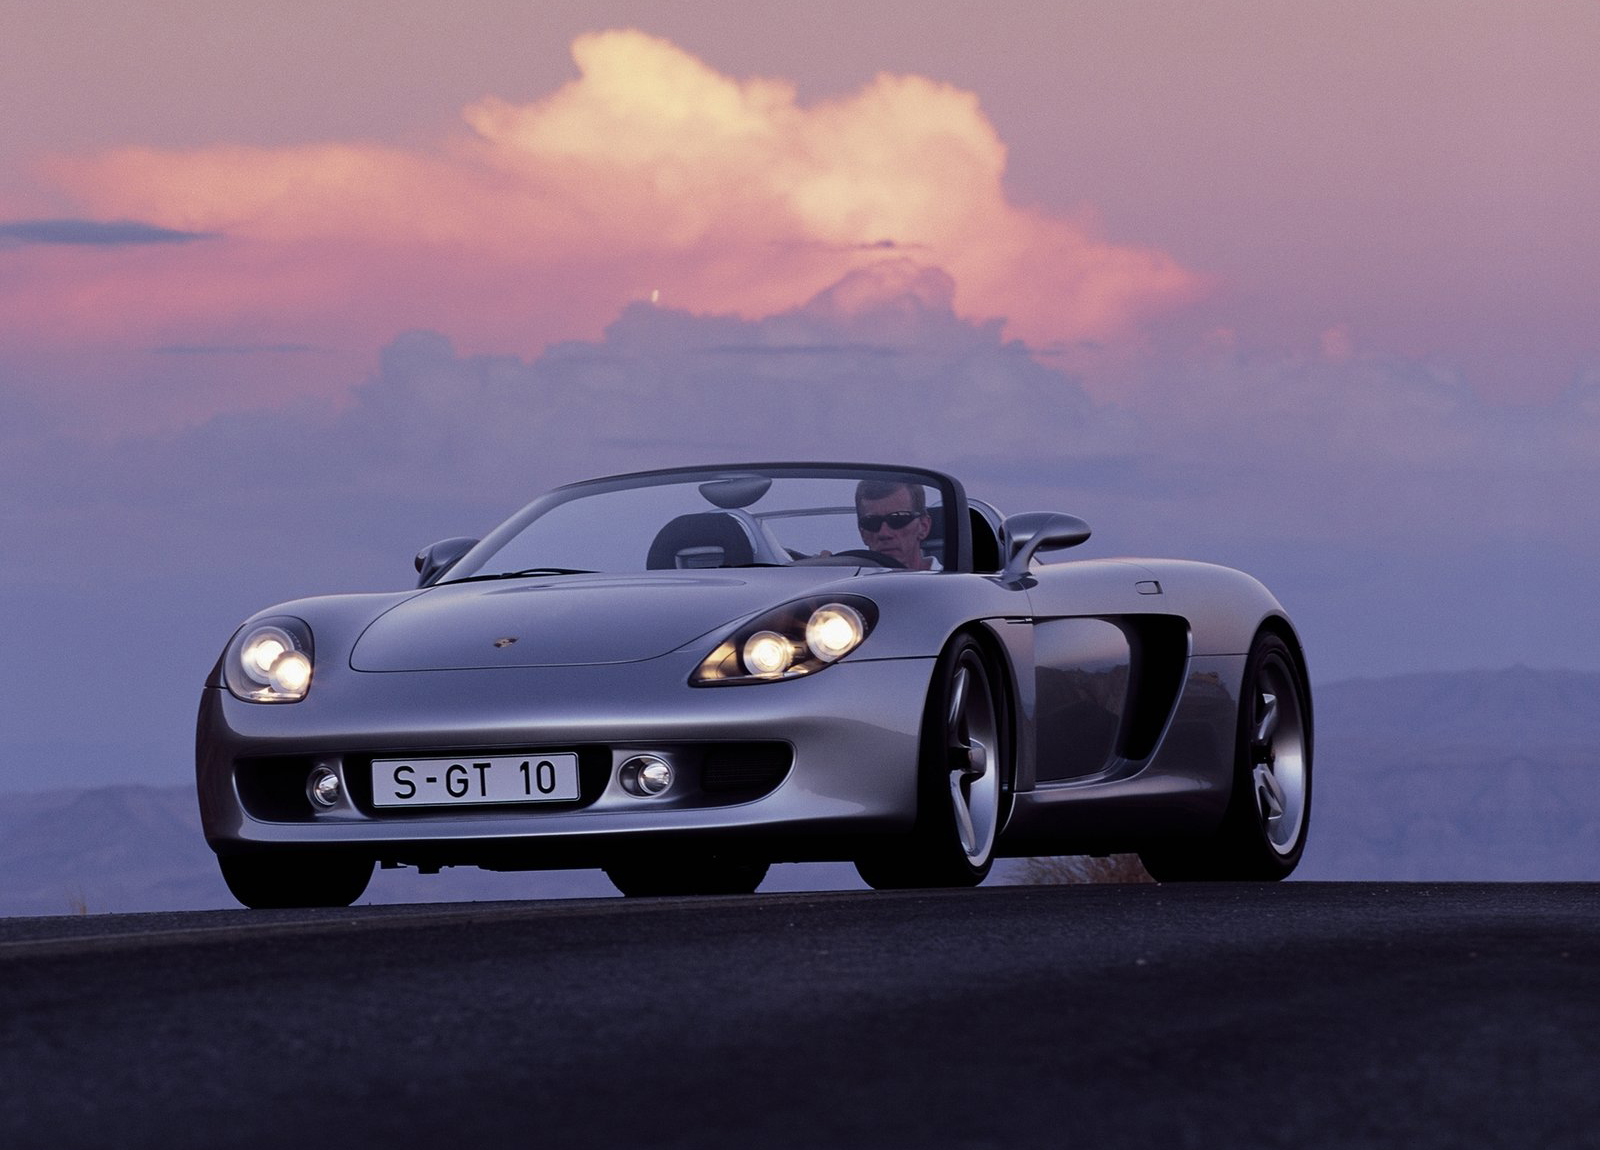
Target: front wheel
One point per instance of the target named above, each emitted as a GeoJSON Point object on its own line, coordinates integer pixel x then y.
{"type": "Point", "coordinates": [961, 786]}
{"type": "Point", "coordinates": [284, 880]}
{"type": "Point", "coordinates": [1263, 832]}
{"type": "Point", "coordinates": [656, 878]}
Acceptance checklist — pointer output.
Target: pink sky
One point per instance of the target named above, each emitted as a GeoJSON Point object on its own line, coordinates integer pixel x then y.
{"type": "Point", "coordinates": [1419, 179]}
{"type": "Point", "coordinates": [651, 175]}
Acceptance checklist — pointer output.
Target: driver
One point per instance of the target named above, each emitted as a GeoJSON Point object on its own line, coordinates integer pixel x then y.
{"type": "Point", "coordinates": [893, 519]}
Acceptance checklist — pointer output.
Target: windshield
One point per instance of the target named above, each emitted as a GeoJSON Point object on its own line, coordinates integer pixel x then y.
{"type": "Point", "coordinates": [729, 517]}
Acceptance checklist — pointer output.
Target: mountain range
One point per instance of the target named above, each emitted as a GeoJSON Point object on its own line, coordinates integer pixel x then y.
{"type": "Point", "coordinates": [1469, 775]}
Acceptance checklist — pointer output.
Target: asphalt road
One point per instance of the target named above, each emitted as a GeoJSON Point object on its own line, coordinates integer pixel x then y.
{"type": "Point", "coordinates": [1299, 1015]}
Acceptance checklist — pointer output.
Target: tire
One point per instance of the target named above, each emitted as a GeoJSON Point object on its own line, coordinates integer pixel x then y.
{"type": "Point", "coordinates": [657, 878]}
{"type": "Point", "coordinates": [1263, 832]}
{"type": "Point", "coordinates": [281, 880]}
{"type": "Point", "coordinates": [961, 781]}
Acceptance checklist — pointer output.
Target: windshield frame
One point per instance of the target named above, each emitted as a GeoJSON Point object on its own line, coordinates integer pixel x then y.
{"type": "Point", "coordinates": [958, 540]}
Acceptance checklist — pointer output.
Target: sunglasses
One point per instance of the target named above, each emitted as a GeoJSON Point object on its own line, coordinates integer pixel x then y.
{"type": "Point", "coordinates": [897, 520]}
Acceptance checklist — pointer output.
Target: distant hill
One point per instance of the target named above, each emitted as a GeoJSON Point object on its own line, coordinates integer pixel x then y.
{"type": "Point", "coordinates": [1491, 775]}
{"type": "Point", "coordinates": [104, 849]}
{"type": "Point", "coordinates": [1471, 775]}
{"type": "Point", "coordinates": [1519, 705]}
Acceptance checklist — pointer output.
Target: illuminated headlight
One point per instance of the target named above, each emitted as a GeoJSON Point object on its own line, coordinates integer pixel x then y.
{"type": "Point", "coordinates": [270, 661]}
{"type": "Point", "coordinates": [796, 639]}
{"type": "Point", "coordinates": [290, 674]}
{"type": "Point", "coordinates": [834, 630]}
{"type": "Point", "coordinates": [767, 653]}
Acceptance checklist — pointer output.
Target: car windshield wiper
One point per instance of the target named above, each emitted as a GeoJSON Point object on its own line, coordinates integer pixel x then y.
{"type": "Point", "coordinates": [518, 574]}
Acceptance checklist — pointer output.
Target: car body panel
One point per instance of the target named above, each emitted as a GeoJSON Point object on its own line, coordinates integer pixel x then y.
{"type": "Point", "coordinates": [552, 621]}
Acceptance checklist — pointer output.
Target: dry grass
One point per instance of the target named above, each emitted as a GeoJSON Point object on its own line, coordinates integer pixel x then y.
{"type": "Point", "coordinates": [1083, 869]}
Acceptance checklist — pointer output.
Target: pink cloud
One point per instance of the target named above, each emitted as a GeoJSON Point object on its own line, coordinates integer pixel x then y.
{"type": "Point", "coordinates": [650, 172]}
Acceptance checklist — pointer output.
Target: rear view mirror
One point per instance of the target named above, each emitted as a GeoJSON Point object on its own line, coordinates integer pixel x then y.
{"type": "Point", "coordinates": [434, 560]}
{"type": "Point", "coordinates": [733, 491]}
{"type": "Point", "coordinates": [1034, 531]}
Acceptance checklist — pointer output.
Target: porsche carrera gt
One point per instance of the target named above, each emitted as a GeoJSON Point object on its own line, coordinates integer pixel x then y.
{"type": "Point", "coordinates": [684, 676]}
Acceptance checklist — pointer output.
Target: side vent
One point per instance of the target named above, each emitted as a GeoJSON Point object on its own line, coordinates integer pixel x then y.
{"type": "Point", "coordinates": [1159, 655]}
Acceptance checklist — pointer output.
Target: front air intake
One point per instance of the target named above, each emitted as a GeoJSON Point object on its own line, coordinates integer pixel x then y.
{"type": "Point", "coordinates": [748, 770]}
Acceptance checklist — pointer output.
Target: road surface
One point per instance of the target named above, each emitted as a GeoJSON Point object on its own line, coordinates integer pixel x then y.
{"type": "Point", "coordinates": [1297, 1015]}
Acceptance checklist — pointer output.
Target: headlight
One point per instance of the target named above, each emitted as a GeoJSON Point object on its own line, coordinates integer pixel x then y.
{"type": "Point", "coordinates": [270, 661]}
{"type": "Point", "coordinates": [834, 630]}
{"type": "Point", "coordinates": [767, 653]}
{"type": "Point", "coordinates": [794, 640]}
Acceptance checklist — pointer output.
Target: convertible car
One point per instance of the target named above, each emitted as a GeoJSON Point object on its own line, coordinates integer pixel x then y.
{"type": "Point", "coordinates": [685, 676]}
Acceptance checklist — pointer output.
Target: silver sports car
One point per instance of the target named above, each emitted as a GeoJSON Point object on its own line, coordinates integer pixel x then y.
{"type": "Point", "coordinates": [684, 676]}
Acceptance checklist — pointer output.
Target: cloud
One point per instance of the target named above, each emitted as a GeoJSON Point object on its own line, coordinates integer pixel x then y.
{"type": "Point", "coordinates": [878, 365]}
{"type": "Point", "coordinates": [864, 246]}
{"type": "Point", "coordinates": [94, 233]}
{"type": "Point", "coordinates": [649, 173]}
{"type": "Point", "coordinates": [1210, 452]}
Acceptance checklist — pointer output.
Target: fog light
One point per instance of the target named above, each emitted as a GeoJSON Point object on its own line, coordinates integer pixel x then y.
{"type": "Point", "coordinates": [322, 787]}
{"type": "Point", "coordinates": [645, 776]}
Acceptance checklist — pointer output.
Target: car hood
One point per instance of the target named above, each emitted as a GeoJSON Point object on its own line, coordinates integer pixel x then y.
{"type": "Point", "coordinates": [571, 619]}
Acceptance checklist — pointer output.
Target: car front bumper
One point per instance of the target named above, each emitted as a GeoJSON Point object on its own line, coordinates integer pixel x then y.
{"type": "Point", "coordinates": [817, 763]}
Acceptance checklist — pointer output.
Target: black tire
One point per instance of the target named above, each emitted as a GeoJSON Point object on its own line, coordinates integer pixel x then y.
{"type": "Point", "coordinates": [283, 879]}
{"type": "Point", "coordinates": [658, 878]}
{"type": "Point", "coordinates": [962, 785]}
{"type": "Point", "coordinates": [1263, 832]}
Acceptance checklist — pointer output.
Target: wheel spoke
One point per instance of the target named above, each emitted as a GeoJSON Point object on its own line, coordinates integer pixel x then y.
{"type": "Point", "coordinates": [958, 800]}
{"type": "Point", "coordinates": [1269, 793]}
{"type": "Point", "coordinates": [1267, 726]}
{"type": "Point", "coordinates": [958, 703]}
{"type": "Point", "coordinates": [977, 760]}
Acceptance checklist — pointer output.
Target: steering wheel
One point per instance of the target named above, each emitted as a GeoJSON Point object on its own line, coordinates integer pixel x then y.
{"type": "Point", "coordinates": [877, 557]}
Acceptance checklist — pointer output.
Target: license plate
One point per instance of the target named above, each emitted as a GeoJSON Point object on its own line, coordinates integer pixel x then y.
{"type": "Point", "coordinates": [487, 779]}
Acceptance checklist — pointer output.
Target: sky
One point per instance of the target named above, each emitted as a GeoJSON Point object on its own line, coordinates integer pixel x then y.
{"type": "Point", "coordinates": [289, 291]}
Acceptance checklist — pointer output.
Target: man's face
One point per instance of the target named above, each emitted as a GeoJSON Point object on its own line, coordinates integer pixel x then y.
{"type": "Point", "coordinates": [904, 542]}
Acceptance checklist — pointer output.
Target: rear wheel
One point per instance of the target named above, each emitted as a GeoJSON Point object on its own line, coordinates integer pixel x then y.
{"type": "Point", "coordinates": [961, 791]}
{"type": "Point", "coordinates": [654, 878]}
{"type": "Point", "coordinates": [1263, 833]}
{"type": "Point", "coordinates": [279, 880]}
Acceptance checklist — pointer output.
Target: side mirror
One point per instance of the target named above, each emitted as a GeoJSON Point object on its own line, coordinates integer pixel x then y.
{"type": "Point", "coordinates": [1027, 534]}
{"type": "Point", "coordinates": [432, 561]}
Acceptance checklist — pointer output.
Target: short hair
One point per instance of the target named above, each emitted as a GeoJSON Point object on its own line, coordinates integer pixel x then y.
{"type": "Point", "coordinates": [883, 488]}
